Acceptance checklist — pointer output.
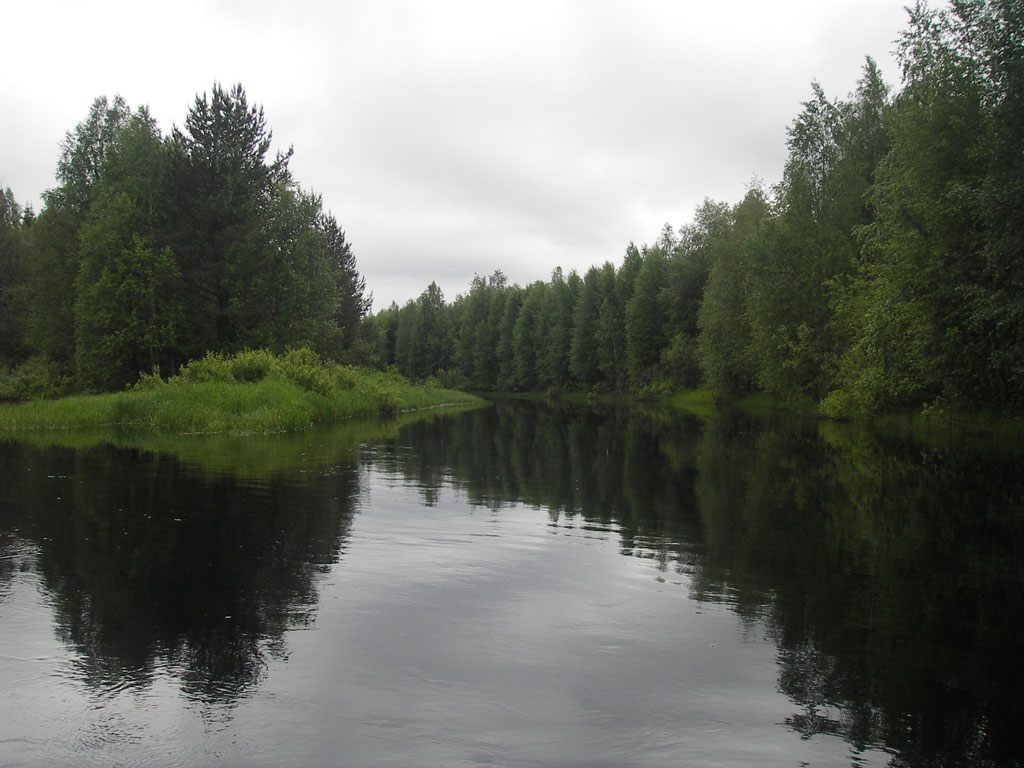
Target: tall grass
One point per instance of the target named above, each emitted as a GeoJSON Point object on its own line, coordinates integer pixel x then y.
{"type": "Point", "coordinates": [252, 391]}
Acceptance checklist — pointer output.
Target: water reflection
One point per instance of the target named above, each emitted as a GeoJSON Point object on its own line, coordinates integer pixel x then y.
{"type": "Point", "coordinates": [891, 577]}
{"type": "Point", "coordinates": [888, 577]}
{"type": "Point", "coordinates": [151, 564]}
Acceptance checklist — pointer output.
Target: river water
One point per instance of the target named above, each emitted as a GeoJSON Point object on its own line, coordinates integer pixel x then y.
{"type": "Point", "coordinates": [515, 585]}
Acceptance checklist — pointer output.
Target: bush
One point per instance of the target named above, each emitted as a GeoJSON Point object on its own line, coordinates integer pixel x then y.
{"type": "Point", "coordinates": [251, 365]}
{"type": "Point", "coordinates": [346, 377]}
{"type": "Point", "coordinates": [300, 366]}
{"type": "Point", "coordinates": [38, 378]}
{"type": "Point", "coordinates": [388, 401]}
{"type": "Point", "coordinates": [212, 367]}
{"type": "Point", "coordinates": [305, 368]}
{"type": "Point", "coordinates": [148, 381]}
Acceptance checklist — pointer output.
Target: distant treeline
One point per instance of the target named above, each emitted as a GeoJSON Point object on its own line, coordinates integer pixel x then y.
{"type": "Point", "coordinates": [886, 269]}
{"type": "Point", "coordinates": [154, 250]}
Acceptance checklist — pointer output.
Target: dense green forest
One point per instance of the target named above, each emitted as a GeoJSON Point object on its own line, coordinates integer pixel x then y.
{"type": "Point", "coordinates": [885, 269]}
{"type": "Point", "coordinates": [153, 251]}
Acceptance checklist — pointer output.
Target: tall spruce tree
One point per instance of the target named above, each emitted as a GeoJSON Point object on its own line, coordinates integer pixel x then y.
{"type": "Point", "coordinates": [225, 188]}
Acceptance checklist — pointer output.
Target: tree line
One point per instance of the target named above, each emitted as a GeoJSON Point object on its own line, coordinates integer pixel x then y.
{"type": "Point", "coordinates": [154, 250]}
{"type": "Point", "coordinates": [885, 269]}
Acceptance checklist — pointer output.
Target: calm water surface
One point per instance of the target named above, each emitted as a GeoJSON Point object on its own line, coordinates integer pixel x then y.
{"type": "Point", "coordinates": [517, 585]}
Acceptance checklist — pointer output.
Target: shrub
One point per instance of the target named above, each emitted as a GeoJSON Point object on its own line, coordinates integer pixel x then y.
{"type": "Point", "coordinates": [212, 367]}
{"type": "Point", "coordinates": [388, 401]}
{"type": "Point", "coordinates": [251, 365]}
{"type": "Point", "coordinates": [305, 368]}
{"type": "Point", "coordinates": [300, 366]}
{"type": "Point", "coordinates": [38, 378]}
{"type": "Point", "coordinates": [148, 381]}
{"type": "Point", "coordinates": [346, 377]}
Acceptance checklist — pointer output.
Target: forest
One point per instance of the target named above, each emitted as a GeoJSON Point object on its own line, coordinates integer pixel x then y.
{"type": "Point", "coordinates": [153, 251]}
{"type": "Point", "coordinates": [885, 270]}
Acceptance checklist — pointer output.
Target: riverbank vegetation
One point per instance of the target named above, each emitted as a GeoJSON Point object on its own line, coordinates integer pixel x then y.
{"type": "Point", "coordinates": [884, 272]}
{"type": "Point", "coordinates": [252, 391]}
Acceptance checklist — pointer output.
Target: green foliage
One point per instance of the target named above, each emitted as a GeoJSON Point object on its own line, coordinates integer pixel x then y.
{"type": "Point", "coordinates": [727, 357]}
{"type": "Point", "coordinates": [13, 269]}
{"type": "Point", "coordinates": [423, 339]}
{"type": "Point", "coordinates": [51, 271]}
{"type": "Point", "coordinates": [154, 251]}
{"type": "Point", "coordinates": [264, 265]}
{"type": "Point", "coordinates": [530, 329]}
{"type": "Point", "coordinates": [84, 151]}
{"type": "Point", "coordinates": [252, 391]}
{"type": "Point", "coordinates": [647, 318]}
{"type": "Point", "coordinates": [388, 401]}
{"type": "Point", "coordinates": [680, 360]}
{"type": "Point", "coordinates": [125, 314]}
{"type": "Point", "coordinates": [35, 378]}
{"type": "Point", "coordinates": [922, 312]}
{"type": "Point", "coordinates": [553, 358]}
{"type": "Point", "coordinates": [302, 367]}
{"type": "Point", "coordinates": [597, 285]}
{"type": "Point", "coordinates": [690, 263]}
{"type": "Point", "coordinates": [478, 329]}
{"type": "Point", "coordinates": [505, 350]}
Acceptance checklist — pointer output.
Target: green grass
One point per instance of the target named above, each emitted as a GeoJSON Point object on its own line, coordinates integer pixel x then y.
{"type": "Point", "coordinates": [251, 392]}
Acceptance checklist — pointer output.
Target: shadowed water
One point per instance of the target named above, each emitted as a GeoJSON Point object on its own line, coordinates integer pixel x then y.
{"type": "Point", "coordinates": [515, 585]}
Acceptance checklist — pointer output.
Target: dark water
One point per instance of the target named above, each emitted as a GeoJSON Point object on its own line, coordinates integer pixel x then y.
{"type": "Point", "coordinates": [513, 586]}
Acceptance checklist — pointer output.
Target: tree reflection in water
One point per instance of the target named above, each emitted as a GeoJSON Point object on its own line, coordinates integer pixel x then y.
{"type": "Point", "coordinates": [888, 575]}
{"type": "Point", "coordinates": [891, 577]}
{"type": "Point", "coordinates": [152, 563]}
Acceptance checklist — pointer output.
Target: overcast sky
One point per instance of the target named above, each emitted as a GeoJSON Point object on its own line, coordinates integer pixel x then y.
{"type": "Point", "coordinates": [455, 138]}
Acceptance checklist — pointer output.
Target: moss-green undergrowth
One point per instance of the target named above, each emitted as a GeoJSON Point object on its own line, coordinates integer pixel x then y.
{"type": "Point", "coordinates": [253, 391]}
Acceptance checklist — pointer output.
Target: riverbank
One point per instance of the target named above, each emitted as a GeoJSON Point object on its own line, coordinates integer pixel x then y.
{"type": "Point", "coordinates": [251, 392]}
{"type": "Point", "coordinates": [930, 426]}
{"type": "Point", "coordinates": [933, 426]}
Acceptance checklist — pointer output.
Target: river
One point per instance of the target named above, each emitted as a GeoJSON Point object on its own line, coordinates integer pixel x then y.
{"type": "Point", "coordinates": [514, 585]}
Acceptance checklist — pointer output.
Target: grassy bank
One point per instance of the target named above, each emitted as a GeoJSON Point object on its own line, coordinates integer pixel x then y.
{"type": "Point", "coordinates": [253, 391]}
